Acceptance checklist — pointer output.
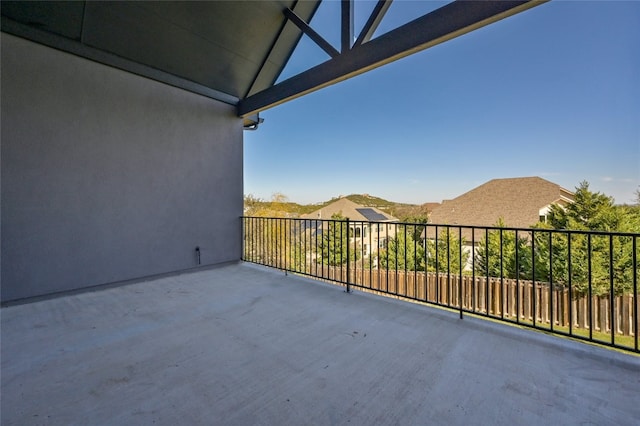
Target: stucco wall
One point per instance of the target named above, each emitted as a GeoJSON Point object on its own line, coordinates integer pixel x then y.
{"type": "Point", "coordinates": [108, 176]}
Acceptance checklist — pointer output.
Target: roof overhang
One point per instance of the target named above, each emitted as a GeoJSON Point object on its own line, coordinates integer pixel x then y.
{"type": "Point", "coordinates": [234, 51]}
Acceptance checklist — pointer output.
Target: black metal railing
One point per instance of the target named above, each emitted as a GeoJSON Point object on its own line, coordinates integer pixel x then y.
{"type": "Point", "coordinates": [580, 284]}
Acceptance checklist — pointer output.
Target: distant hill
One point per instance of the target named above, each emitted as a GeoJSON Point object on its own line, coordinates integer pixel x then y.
{"type": "Point", "coordinates": [289, 209]}
{"type": "Point", "coordinates": [362, 199]}
{"type": "Point", "coordinates": [412, 212]}
{"type": "Point", "coordinates": [370, 200]}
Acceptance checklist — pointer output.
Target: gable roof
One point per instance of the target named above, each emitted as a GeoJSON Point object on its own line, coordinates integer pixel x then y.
{"type": "Point", "coordinates": [517, 201]}
{"type": "Point", "coordinates": [351, 210]}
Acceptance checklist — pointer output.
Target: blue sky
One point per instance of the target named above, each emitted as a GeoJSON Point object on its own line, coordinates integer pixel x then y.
{"type": "Point", "coordinates": [551, 92]}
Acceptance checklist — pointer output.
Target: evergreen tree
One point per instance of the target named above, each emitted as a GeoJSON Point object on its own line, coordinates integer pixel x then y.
{"type": "Point", "coordinates": [444, 255]}
{"type": "Point", "coordinates": [595, 261]}
{"type": "Point", "coordinates": [404, 251]}
{"type": "Point", "coordinates": [491, 261]}
{"type": "Point", "coordinates": [335, 242]}
{"type": "Point", "coordinates": [590, 211]}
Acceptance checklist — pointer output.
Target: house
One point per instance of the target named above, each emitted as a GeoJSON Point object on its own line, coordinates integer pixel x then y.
{"type": "Point", "coordinates": [368, 228]}
{"type": "Point", "coordinates": [519, 202]}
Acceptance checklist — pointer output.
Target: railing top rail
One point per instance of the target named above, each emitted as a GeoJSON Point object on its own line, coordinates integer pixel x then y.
{"type": "Point", "coordinates": [450, 226]}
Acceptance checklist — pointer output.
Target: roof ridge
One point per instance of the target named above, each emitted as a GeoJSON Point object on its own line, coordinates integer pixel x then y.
{"type": "Point", "coordinates": [520, 201]}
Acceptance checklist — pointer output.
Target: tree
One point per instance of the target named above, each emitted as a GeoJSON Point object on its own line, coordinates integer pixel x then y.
{"type": "Point", "coordinates": [269, 236]}
{"type": "Point", "coordinates": [590, 262]}
{"type": "Point", "coordinates": [550, 259]}
{"type": "Point", "coordinates": [251, 204]}
{"type": "Point", "coordinates": [275, 207]}
{"type": "Point", "coordinates": [445, 254]}
{"type": "Point", "coordinates": [596, 261]}
{"type": "Point", "coordinates": [418, 222]}
{"type": "Point", "coordinates": [403, 252]}
{"type": "Point", "coordinates": [589, 211]}
{"type": "Point", "coordinates": [493, 261]}
{"type": "Point", "coordinates": [335, 242]}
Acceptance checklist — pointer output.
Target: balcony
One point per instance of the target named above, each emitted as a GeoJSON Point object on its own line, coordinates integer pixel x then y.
{"type": "Point", "coordinates": [243, 344]}
{"type": "Point", "coordinates": [579, 284]}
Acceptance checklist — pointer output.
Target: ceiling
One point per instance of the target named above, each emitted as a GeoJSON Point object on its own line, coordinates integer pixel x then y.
{"type": "Point", "coordinates": [226, 49]}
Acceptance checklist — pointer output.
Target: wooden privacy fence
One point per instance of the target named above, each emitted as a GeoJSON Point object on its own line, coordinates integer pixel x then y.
{"type": "Point", "coordinates": [509, 299]}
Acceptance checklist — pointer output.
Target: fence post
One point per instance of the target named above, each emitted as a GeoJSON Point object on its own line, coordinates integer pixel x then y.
{"type": "Point", "coordinates": [460, 295]}
{"type": "Point", "coordinates": [348, 238]}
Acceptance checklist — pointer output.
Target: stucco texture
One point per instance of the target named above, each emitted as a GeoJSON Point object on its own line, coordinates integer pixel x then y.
{"type": "Point", "coordinates": [108, 176]}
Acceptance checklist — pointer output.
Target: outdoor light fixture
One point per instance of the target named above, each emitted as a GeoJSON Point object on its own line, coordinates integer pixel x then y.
{"type": "Point", "coordinates": [252, 122]}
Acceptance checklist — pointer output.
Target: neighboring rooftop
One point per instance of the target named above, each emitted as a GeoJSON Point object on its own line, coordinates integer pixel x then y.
{"type": "Point", "coordinates": [430, 207]}
{"type": "Point", "coordinates": [351, 210]}
{"type": "Point", "coordinates": [243, 345]}
{"type": "Point", "coordinates": [518, 201]}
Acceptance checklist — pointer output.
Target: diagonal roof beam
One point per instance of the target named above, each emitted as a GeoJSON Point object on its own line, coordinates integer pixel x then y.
{"type": "Point", "coordinates": [265, 73]}
{"type": "Point", "coordinates": [346, 33]}
{"type": "Point", "coordinates": [450, 21]}
{"type": "Point", "coordinates": [313, 35]}
{"type": "Point", "coordinates": [373, 22]}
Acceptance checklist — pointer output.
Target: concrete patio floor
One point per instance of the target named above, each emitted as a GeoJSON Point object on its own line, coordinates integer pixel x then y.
{"type": "Point", "coordinates": [246, 345]}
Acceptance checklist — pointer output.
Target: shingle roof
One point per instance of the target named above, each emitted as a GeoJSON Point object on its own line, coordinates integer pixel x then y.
{"type": "Point", "coordinates": [351, 210]}
{"type": "Point", "coordinates": [516, 200]}
{"type": "Point", "coordinates": [429, 207]}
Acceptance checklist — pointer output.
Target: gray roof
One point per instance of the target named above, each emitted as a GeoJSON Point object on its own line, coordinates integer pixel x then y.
{"type": "Point", "coordinates": [516, 200]}
{"type": "Point", "coordinates": [351, 210]}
